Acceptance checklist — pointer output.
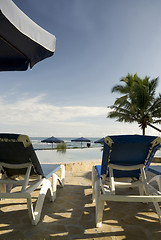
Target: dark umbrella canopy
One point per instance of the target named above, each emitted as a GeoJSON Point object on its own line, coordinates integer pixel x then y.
{"type": "Point", "coordinates": [101, 140]}
{"type": "Point", "coordinates": [22, 42]}
{"type": "Point", "coordinates": [81, 139]}
{"type": "Point", "coordinates": [52, 140]}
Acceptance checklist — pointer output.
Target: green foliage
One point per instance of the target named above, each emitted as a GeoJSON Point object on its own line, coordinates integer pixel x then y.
{"type": "Point", "coordinates": [61, 147]}
{"type": "Point", "coordinates": [138, 103]}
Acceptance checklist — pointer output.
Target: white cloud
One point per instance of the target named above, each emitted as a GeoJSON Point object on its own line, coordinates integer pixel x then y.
{"type": "Point", "coordinates": [32, 109]}
{"type": "Point", "coordinates": [39, 118]}
{"type": "Point", "coordinates": [33, 117]}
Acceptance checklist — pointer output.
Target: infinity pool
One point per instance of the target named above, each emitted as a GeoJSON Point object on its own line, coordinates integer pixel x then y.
{"type": "Point", "coordinates": [71, 155]}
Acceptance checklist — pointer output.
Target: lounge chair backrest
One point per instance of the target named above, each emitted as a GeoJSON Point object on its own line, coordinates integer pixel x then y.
{"type": "Point", "coordinates": [17, 149]}
{"type": "Point", "coordinates": [128, 150]}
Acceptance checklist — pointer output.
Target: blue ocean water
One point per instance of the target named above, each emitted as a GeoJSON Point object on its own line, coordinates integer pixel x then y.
{"type": "Point", "coordinates": [37, 144]}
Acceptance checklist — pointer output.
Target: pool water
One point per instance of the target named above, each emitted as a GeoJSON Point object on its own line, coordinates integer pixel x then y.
{"type": "Point", "coordinates": [71, 155]}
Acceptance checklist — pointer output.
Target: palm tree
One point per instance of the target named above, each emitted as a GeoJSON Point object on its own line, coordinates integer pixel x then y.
{"type": "Point", "coordinates": [138, 103]}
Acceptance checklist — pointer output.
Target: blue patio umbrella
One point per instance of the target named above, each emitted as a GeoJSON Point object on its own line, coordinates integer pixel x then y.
{"type": "Point", "coordinates": [52, 140]}
{"type": "Point", "coordinates": [81, 139]}
{"type": "Point", "coordinates": [101, 140]}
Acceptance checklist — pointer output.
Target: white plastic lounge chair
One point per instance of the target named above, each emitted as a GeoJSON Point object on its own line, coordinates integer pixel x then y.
{"type": "Point", "coordinates": [17, 159]}
{"type": "Point", "coordinates": [126, 159]}
{"type": "Point", "coordinates": [156, 169]}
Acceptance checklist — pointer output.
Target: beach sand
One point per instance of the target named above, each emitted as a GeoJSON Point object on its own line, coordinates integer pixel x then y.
{"type": "Point", "coordinates": [72, 215]}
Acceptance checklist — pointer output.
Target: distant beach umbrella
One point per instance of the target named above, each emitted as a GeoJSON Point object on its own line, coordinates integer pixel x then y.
{"type": "Point", "coordinates": [52, 140]}
{"type": "Point", "coordinates": [81, 139]}
{"type": "Point", "coordinates": [101, 140]}
{"type": "Point", "coordinates": [22, 42]}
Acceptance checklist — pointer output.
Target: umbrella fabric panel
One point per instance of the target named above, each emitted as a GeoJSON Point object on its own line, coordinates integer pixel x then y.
{"type": "Point", "coordinates": [81, 140]}
{"type": "Point", "coordinates": [14, 53]}
{"type": "Point", "coordinates": [52, 140]}
{"type": "Point", "coordinates": [25, 25]}
{"type": "Point", "coordinates": [101, 140]}
{"type": "Point", "coordinates": [10, 56]}
{"type": "Point", "coordinates": [11, 59]}
{"type": "Point", "coordinates": [22, 42]}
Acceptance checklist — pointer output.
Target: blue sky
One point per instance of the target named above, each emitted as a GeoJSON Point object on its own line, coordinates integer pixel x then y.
{"type": "Point", "coordinates": [98, 42]}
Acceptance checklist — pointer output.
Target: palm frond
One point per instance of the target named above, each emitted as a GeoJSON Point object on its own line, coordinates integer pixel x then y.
{"type": "Point", "coordinates": [138, 102]}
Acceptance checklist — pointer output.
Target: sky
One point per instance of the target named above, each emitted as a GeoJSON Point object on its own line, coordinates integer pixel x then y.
{"type": "Point", "coordinates": [97, 43]}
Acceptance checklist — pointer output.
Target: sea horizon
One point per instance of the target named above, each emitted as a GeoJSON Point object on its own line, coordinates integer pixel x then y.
{"type": "Point", "coordinates": [37, 144]}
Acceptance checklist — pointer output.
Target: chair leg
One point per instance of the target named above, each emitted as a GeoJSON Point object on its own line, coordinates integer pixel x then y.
{"type": "Point", "coordinates": [158, 180]}
{"type": "Point", "coordinates": [141, 190]}
{"type": "Point", "coordinates": [40, 201]}
{"type": "Point", "coordinates": [144, 181]}
{"type": "Point", "coordinates": [54, 186]}
{"type": "Point", "coordinates": [35, 214]}
{"type": "Point", "coordinates": [99, 213]}
{"type": "Point", "coordinates": [93, 183]}
{"type": "Point", "coordinates": [156, 205]}
{"type": "Point", "coordinates": [99, 204]}
{"type": "Point", "coordinates": [62, 175]}
{"type": "Point", "coordinates": [61, 180]}
{"type": "Point", "coordinates": [112, 182]}
{"type": "Point", "coordinates": [30, 210]}
{"type": "Point", "coordinates": [3, 187]}
{"type": "Point", "coordinates": [158, 210]}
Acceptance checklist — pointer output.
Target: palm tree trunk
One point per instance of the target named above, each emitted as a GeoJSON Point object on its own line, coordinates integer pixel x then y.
{"type": "Point", "coordinates": [143, 131]}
